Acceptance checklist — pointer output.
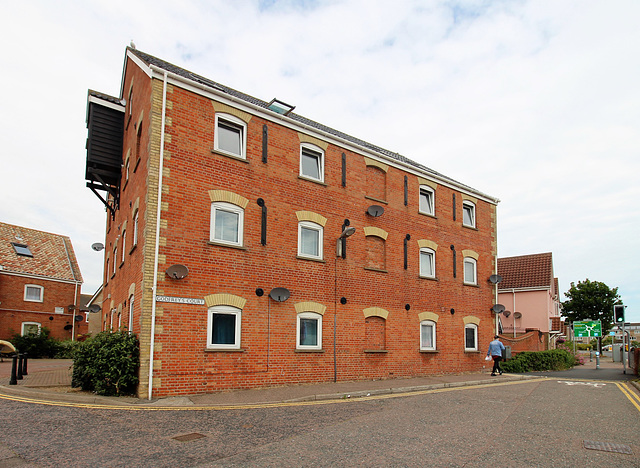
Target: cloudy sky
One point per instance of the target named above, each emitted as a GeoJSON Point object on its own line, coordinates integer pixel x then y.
{"type": "Point", "coordinates": [534, 102]}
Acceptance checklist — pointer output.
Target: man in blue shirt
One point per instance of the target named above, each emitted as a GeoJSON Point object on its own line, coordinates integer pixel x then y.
{"type": "Point", "coordinates": [495, 351]}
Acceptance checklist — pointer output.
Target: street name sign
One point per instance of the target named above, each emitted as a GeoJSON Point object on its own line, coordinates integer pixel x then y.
{"type": "Point", "coordinates": [587, 328]}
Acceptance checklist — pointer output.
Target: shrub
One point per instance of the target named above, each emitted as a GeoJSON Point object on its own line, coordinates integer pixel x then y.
{"type": "Point", "coordinates": [66, 349]}
{"type": "Point", "coordinates": [107, 363]}
{"type": "Point", "coordinates": [36, 345]}
{"type": "Point", "coordinates": [554, 359]}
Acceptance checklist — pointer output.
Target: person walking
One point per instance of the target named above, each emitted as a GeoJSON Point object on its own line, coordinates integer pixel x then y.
{"type": "Point", "coordinates": [495, 351]}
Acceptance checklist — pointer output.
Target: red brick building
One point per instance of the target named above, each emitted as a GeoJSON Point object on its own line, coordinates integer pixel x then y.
{"type": "Point", "coordinates": [40, 284]}
{"type": "Point", "coordinates": [224, 250]}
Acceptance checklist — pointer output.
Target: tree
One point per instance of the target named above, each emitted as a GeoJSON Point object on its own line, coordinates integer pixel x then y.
{"type": "Point", "coordinates": [591, 300]}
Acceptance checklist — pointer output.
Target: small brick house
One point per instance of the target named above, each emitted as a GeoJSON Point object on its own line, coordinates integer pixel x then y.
{"type": "Point", "coordinates": [40, 284]}
{"type": "Point", "coordinates": [248, 246]}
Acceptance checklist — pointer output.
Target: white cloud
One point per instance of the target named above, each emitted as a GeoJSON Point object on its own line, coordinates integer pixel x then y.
{"type": "Point", "coordinates": [533, 102]}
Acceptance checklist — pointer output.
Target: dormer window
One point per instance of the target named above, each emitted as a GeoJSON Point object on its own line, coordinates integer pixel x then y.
{"type": "Point", "coordinates": [22, 249]}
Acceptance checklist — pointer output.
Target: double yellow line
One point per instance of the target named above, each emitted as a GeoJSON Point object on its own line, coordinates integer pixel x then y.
{"type": "Point", "coordinates": [630, 394]}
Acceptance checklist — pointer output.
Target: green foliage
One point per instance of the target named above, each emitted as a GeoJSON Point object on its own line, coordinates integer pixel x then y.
{"type": "Point", "coordinates": [107, 363]}
{"type": "Point", "coordinates": [527, 361]}
{"type": "Point", "coordinates": [591, 300]}
{"type": "Point", "coordinates": [66, 349]}
{"type": "Point", "coordinates": [36, 345]}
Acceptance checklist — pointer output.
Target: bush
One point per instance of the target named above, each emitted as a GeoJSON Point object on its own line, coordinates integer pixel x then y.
{"type": "Point", "coordinates": [107, 363]}
{"type": "Point", "coordinates": [36, 345]}
{"type": "Point", "coordinates": [66, 349]}
{"type": "Point", "coordinates": [554, 359]}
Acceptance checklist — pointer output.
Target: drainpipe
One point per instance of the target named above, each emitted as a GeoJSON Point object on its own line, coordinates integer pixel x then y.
{"type": "Point", "coordinates": [513, 291]}
{"type": "Point", "coordinates": [157, 246]}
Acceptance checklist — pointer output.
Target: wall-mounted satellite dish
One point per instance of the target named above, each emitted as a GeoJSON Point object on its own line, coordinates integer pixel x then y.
{"type": "Point", "coordinates": [94, 308]}
{"type": "Point", "coordinates": [506, 313]}
{"type": "Point", "coordinates": [98, 246]}
{"type": "Point", "coordinates": [375, 211]}
{"type": "Point", "coordinates": [177, 271]}
{"type": "Point", "coordinates": [79, 318]}
{"type": "Point", "coordinates": [517, 315]}
{"type": "Point", "coordinates": [495, 279]}
{"type": "Point", "coordinates": [68, 327]}
{"type": "Point", "coordinates": [497, 308]}
{"type": "Point", "coordinates": [279, 294]}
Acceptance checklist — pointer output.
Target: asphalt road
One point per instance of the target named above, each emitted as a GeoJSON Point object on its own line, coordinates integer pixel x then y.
{"type": "Point", "coordinates": [520, 424]}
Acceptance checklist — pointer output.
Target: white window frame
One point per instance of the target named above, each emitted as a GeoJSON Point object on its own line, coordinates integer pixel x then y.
{"type": "Point", "coordinates": [320, 153]}
{"type": "Point", "coordinates": [34, 286]}
{"type": "Point", "coordinates": [474, 327]}
{"type": "Point", "coordinates": [115, 259]}
{"type": "Point", "coordinates": [431, 211]}
{"type": "Point", "coordinates": [309, 315]}
{"type": "Point", "coordinates": [470, 261]}
{"type": "Point", "coordinates": [136, 217]}
{"type": "Point", "coordinates": [426, 250]}
{"type": "Point", "coordinates": [224, 310]}
{"type": "Point", "coordinates": [311, 226]}
{"type": "Point", "coordinates": [22, 332]}
{"type": "Point", "coordinates": [424, 347]}
{"type": "Point", "coordinates": [231, 121]}
{"type": "Point", "coordinates": [469, 207]}
{"type": "Point", "coordinates": [124, 243]}
{"type": "Point", "coordinates": [131, 301]}
{"type": "Point", "coordinates": [227, 207]}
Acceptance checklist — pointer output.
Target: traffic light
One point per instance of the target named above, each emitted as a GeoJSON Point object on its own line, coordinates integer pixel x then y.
{"type": "Point", "coordinates": [618, 313]}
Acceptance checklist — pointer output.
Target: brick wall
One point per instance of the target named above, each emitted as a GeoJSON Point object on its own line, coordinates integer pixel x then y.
{"type": "Point", "coordinates": [268, 354]}
{"type": "Point", "coordinates": [533, 340]}
{"type": "Point", "coordinates": [14, 310]}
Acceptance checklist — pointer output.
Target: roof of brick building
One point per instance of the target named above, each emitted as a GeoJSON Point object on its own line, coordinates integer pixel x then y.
{"type": "Point", "coordinates": [151, 60]}
{"type": "Point", "coordinates": [527, 271]}
{"type": "Point", "coordinates": [38, 253]}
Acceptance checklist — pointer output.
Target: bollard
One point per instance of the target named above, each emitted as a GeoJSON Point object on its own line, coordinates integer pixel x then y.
{"type": "Point", "coordinates": [19, 374]}
{"type": "Point", "coordinates": [597, 360]}
{"type": "Point", "coordinates": [14, 365]}
{"type": "Point", "coordinates": [24, 364]}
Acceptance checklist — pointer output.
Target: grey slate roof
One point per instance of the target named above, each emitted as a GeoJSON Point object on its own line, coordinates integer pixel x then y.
{"type": "Point", "coordinates": [151, 60]}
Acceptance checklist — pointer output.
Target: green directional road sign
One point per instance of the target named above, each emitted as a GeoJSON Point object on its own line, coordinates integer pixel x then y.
{"type": "Point", "coordinates": [590, 328]}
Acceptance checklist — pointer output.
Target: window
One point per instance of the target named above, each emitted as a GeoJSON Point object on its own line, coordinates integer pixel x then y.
{"type": "Point", "coordinates": [223, 327]}
{"type": "Point", "coordinates": [309, 331]}
{"type": "Point", "coordinates": [310, 239]}
{"type": "Point", "coordinates": [131, 298]}
{"type": "Point", "coordinates": [312, 162]}
{"type": "Point", "coordinates": [22, 249]}
{"type": "Point", "coordinates": [427, 198]}
{"type": "Point", "coordinates": [106, 272]}
{"type": "Point", "coordinates": [468, 214]}
{"type": "Point", "coordinates": [115, 260]}
{"type": "Point", "coordinates": [33, 293]}
{"type": "Point", "coordinates": [30, 328]}
{"type": "Point", "coordinates": [427, 335]}
{"type": "Point", "coordinates": [127, 167]}
{"type": "Point", "coordinates": [229, 135]}
{"type": "Point", "coordinates": [471, 337]}
{"type": "Point", "coordinates": [470, 274]}
{"type": "Point", "coordinates": [226, 223]}
{"type": "Point", "coordinates": [124, 243]}
{"type": "Point", "coordinates": [427, 263]}
{"type": "Point", "coordinates": [135, 228]}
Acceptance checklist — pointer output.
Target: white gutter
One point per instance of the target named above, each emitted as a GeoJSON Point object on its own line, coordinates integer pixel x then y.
{"type": "Point", "coordinates": [288, 122]}
{"type": "Point", "coordinates": [157, 246]}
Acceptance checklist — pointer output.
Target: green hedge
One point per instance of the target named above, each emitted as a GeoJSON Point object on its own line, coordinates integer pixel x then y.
{"type": "Point", "coordinates": [36, 345]}
{"type": "Point", "coordinates": [107, 364]}
{"type": "Point", "coordinates": [527, 361]}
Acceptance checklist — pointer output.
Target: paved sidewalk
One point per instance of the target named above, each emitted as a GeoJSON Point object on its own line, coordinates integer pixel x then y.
{"type": "Point", "coordinates": [50, 380]}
